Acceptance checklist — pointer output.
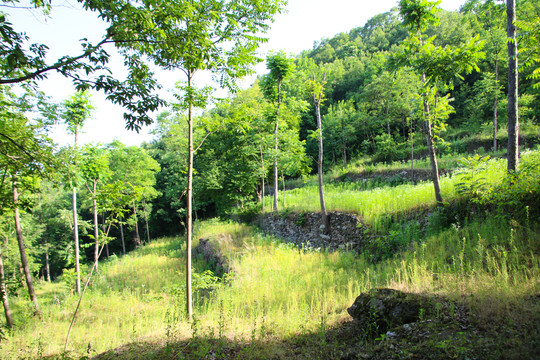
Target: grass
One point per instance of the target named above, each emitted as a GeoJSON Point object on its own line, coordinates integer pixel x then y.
{"type": "Point", "coordinates": [283, 301]}
{"type": "Point", "coordinates": [126, 300]}
{"type": "Point", "coordinates": [376, 204]}
{"type": "Point", "coordinates": [277, 291]}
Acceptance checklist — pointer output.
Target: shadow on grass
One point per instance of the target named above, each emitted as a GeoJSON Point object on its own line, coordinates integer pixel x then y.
{"type": "Point", "coordinates": [452, 333]}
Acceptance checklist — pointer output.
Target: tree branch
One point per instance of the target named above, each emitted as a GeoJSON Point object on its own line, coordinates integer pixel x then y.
{"type": "Point", "coordinates": [55, 66]}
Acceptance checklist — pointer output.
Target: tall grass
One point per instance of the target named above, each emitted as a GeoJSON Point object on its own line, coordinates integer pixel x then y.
{"type": "Point", "coordinates": [275, 290]}
{"type": "Point", "coordinates": [376, 204]}
{"type": "Point", "coordinates": [127, 300]}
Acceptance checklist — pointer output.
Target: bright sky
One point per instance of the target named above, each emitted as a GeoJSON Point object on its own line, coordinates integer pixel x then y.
{"type": "Point", "coordinates": [305, 22]}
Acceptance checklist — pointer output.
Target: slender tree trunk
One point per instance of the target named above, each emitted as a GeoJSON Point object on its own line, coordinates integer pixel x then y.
{"type": "Point", "coordinates": [137, 238]}
{"type": "Point", "coordinates": [146, 221]}
{"type": "Point", "coordinates": [3, 292]}
{"type": "Point", "coordinates": [317, 100]}
{"type": "Point", "coordinates": [432, 154]}
{"type": "Point", "coordinates": [189, 300]}
{"type": "Point", "coordinates": [283, 184]}
{"type": "Point", "coordinates": [76, 240]}
{"type": "Point", "coordinates": [344, 143]}
{"type": "Point", "coordinates": [96, 226]}
{"type": "Point", "coordinates": [276, 187]}
{"type": "Point", "coordinates": [24, 261]}
{"type": "Point", "coordinates": [276, 148]}
{"type": "Point", "coordinates": [513, 90]}
{"type": "Point", "coordinates": [47, 265]}
{"type": "Point", "coordinates": [412, 151]}
{"type": "Point", "coordinates": [122, 239]}
{"type": "Point", "coordinates": [262, 168]}
{"type": "Point", "coordinates": [495, 103]}
{"type": "Point", "coordinates": [388, 119]}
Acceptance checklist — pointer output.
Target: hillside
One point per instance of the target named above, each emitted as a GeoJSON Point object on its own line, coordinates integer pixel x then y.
{"type": "Point", "coordinates": [374, 197]}
{"type": "Point", "coordinates": [477, 275]}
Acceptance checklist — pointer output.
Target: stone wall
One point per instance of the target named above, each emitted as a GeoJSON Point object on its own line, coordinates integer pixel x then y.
{"type": "Point", "coordinates": [346, 231]}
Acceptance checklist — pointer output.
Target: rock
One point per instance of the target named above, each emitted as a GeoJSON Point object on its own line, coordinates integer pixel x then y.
{"type": "Point", "coordinates": [383, 309]}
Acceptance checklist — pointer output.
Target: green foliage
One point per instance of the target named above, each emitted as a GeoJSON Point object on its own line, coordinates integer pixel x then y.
{"type": "Point", "coordinates": [77, 109]}
{"type": "Point", "coordinates": [419, 14]}
{"type": "Point", "coordinates": [474, 184]}
{"type": "Point", "coordinates": [386, 149]}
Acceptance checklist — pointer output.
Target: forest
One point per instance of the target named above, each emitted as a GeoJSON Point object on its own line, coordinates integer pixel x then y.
{"type": "Point", "coordinates": [422, 125]}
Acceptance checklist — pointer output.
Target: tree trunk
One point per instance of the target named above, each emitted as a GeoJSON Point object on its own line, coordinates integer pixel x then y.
{"type": "Point", "coordinates": [24, 261]}
{"type": "Point", "coordinates": [3, 292]}
{"type": "Point", "coordinates": [513, 91]}
{"type": "Point", "coordinates": [122, 239]}
{"type": "Point", "coordinates": [262, 167]}
{"type": "Point", "coordinates": [189, 300]}
{"type": "Point", "coordinates": [412, 152]}
{"type": "Point", "coordinates": [76, 241]}
{"type": "Point", "coordinates": [276, 148]}
{"type": "Point", "coordinates": [146, 221]}
{"type": "Point", "coordinates": [495, 103]}
{"type": "Point", "coordinates": [96, 227]}
{"type": "Point", "coordinates": [320, 162]}
{"type": "Point", "coordinates": [47, 265]}
{"type": "Point", "coordinates": [344, 143]}
{"type": "Point", "coordinates": [136, 238]}
{"type": "Point", "coordinates": [283, 183]}
{"type": "Point", "coordinates": [432, 154]}
{"type": "Point", "coordinates": [276, 187]}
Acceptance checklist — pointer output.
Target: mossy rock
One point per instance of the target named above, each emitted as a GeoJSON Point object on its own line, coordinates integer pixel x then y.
{"type": "Point", "coordinates": [382, 309]}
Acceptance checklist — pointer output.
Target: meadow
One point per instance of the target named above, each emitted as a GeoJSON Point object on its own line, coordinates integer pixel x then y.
{"type": "Point", "coordinates": [277, 296]}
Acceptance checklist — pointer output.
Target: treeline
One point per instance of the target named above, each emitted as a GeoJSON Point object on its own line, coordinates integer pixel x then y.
{"type": "Point", "coordinates": [55, 201]}
{"type": "Point", "coordinates": [370, 107]}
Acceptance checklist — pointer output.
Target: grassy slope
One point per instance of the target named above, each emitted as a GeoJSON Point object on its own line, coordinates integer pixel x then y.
{"type": "Point", "coordinates": [283, 302]}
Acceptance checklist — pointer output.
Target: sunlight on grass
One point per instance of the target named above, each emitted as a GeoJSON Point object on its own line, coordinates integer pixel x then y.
{"type": "Point", "coordinates": [374, 205]}
{"type": "Point", "coordinates": [275, 290]}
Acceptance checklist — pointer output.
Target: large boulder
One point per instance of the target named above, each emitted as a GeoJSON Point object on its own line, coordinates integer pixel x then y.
{"type": "Point", "coordinates": [382, 309]}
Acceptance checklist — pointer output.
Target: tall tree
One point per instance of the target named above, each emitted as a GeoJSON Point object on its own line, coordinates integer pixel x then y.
{"type": "Point", "coordinates": [135, 168]}
{"type": "Point", "coordinates": [218, 36]}
{"type": "Point", "coordinates": [437, 67]}
{"type": "Point", "coordinates": [25, 154]}
{"type": "Point", "coordinates": [77, 110]}
{"type": "Point", "coordinates": [316, 89]}
{"type": "Point", "coordinates": [4, 294]}
{"type": "Point", "coordinates": [280, 66]}
{"type": "Point", "coordinates": [95, 172]}
{"type": "Point", "coordinates": [20, 240]}
{"type": "Point", "coordinates": [513, 87]}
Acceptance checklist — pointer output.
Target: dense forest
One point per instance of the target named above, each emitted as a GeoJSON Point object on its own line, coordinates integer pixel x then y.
{"type": "Point", "coordinates": [416, 97]}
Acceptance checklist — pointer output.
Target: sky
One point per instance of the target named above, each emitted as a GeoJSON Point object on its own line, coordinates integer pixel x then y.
{"type": "Point", "coordinates": [304, 23]}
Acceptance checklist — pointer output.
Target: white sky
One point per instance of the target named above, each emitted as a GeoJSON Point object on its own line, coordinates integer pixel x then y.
{"type": "Point", "coordinates": [305, 22]}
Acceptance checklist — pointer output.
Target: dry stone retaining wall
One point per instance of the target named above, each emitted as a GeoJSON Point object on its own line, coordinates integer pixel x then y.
{"type": "Point", "coordinates": [346, 231]}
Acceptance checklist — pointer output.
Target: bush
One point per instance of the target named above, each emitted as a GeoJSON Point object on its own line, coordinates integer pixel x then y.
{"type": "Point", "coordinates": [388, 150]}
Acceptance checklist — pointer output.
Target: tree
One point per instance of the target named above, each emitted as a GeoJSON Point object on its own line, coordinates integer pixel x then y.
{"type": "Point", "coordinates": [513, 87]}
{"type": "Point", "coordinates": [135, 168]}
{"type": "Point", "coordinates": [316, 89]}
{"type": "Point", "coordinates": [95, 172]}
{"type": "Point", "coordinates": [280, 67]}
{"type": "Point", "coordinates": [24, 62]}
{"type": "Point", "coordinates": [25, 155]}
{"type": "Point", "coordinates": [490, 15]}
{"type": "Point", "coordinates": [77, 110]}
{"type": "Point", "coordinates": [218, 36]}
{"type": "Point", "coordinates": [3, 293]}
{"type": "Point", "coordinates": [436, 65]}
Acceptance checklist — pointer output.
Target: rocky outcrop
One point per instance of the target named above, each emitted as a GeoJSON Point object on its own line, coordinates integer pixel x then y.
{"type": "Point", "coordinates": [346, 231]}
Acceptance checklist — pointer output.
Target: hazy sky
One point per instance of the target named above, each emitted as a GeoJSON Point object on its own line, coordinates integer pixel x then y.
{"type": "Point", "coordinates": [305, 22]}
